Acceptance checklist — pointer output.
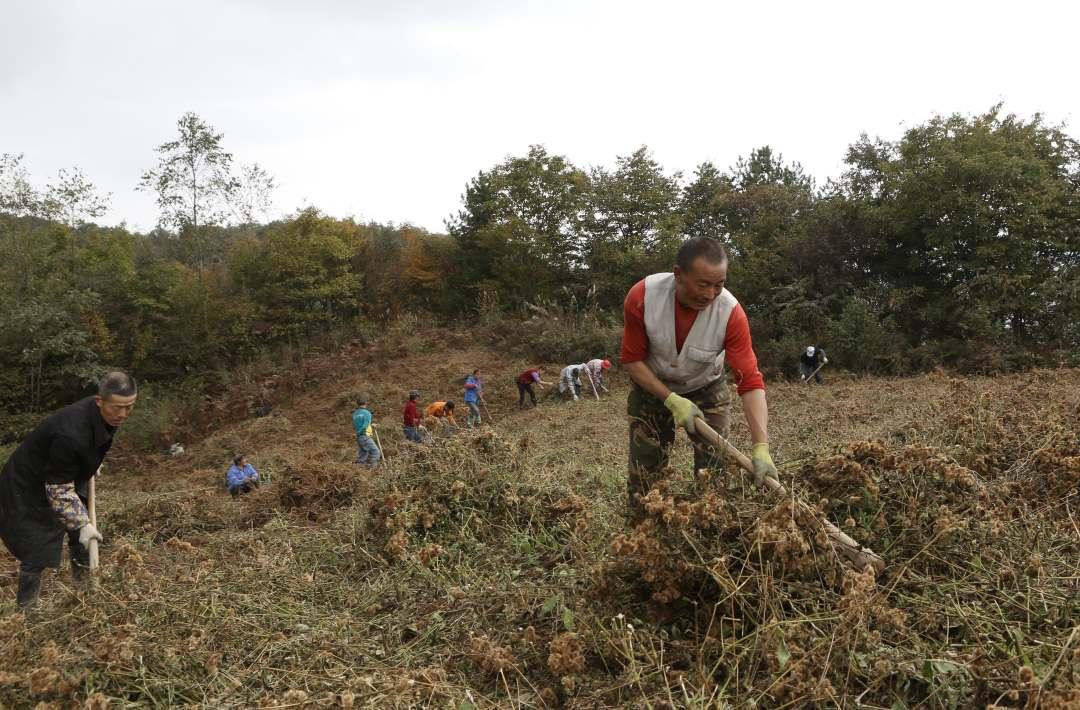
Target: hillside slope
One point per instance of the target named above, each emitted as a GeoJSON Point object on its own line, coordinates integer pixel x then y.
{"type": "Point", "coordinates": [495, 568]}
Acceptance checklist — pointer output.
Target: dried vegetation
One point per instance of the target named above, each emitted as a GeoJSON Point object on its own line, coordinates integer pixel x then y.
{"type": "Point", "coordinates": [496, 569]}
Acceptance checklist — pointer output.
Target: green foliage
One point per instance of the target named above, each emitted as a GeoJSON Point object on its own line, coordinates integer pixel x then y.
{"type": "Point", "coordinates": [73, 199]}
{"type": "Point", "coordinates": [518, 231]}
{"type": "Point", "coordinates": [633, 226]}
{"type": "Point", "coordinates": [958, 245]}
{"type": "Point", "coordinates": [17, 196]}
{"type": "Point", "coordinates": [195, 186]}
{"type": "Point", "coordinates": [192, 179]}
{"type": "Point", "coordinates": [567, 330]}
{"type": "Point", "coordinates": [702, 204]}
{"type": "Point", "coordinates": [300, 281]}
{"type": "Point", "coordinates": [974, 222]}
{"type": "Point", "coordinates": [150, 423]}
{"type": "Point", "coordinates": [861, 339]}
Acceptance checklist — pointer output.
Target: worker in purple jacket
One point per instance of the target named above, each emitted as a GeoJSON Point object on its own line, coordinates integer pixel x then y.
{"type": "Point", "coordinates": [241, 477]}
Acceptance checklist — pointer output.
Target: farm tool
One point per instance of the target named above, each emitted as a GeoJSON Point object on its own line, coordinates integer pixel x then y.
{"type": "Point", "coordinates": [592, 384]}
{"type": "Point", "coordinates": [92, 511]}
{"type": "Point", "coordinates": [382, 454]}
{"type": "Point", "coordinates": [860, 557]}
{"type": "Point", "coordinates": [487, 412]}
{"type": "Point", "coordinates": [811, 375]}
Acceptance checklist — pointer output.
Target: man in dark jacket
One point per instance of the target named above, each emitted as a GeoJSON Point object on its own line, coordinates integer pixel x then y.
{"type": "Point", "coordinates": [44, 486]}
{"type": "Point", "coordinates": [810, 363]}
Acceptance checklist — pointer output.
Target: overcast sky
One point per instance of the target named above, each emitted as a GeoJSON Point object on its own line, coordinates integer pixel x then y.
{"type": "Point", "coordinates": [384, 110]}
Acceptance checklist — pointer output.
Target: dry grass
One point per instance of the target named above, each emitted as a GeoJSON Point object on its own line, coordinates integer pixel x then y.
{"type": "Point", "coordinates": [495, 568]}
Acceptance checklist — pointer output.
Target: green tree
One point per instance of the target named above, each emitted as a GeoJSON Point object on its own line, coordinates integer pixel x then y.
{"type": "Point", "coordinates": [976, 227]}
{"type": "Point", "coordinates": [633, 226]}
{"type": "Point", "coordinates": [46, 338]}
{"type": "Point", "coordinates": [767, 210]}
{"type": "Point", "coordinates": [519, 229]}
{"type": "Point", "coordinates": [17, 196]}
{"type": "Point", "coordinates": [702, 204]}
{"type": "Point", "coordinates": [193, 183]}
{"type": "Point", "coordinates": [253, 194]}
{"type": "Point", "coordinates": [301, 281]}
{"type": "Point", "coordinates": [73, 199]}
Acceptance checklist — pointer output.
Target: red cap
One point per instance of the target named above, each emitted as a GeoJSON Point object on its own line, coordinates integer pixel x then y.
{"type": "Point", "coordinates": [606, 364]}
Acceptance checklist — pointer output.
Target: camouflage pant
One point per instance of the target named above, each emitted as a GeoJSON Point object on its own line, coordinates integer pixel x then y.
{"type": "Point", "coordinates": [652, 432]}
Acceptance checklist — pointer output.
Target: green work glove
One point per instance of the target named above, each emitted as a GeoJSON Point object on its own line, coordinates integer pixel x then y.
{"type": "Point", "coordinates": [763, 464]}
{"type": "Point", "coordinates": [683, 410]}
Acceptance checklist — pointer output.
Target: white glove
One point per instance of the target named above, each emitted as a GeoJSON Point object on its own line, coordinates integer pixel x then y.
{"type": "Point", "coordinates": [575, 398]}
{"type": "Point", "coordinates": [87, 533]}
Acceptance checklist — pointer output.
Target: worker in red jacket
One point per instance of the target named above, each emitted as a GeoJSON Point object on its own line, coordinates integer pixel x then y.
{"type": "Point", "coordinates": [525, 381]}
{"type": "Point", "coordinates": [412, 418]}
{"type": "Point", "coordinates": [680, 330]}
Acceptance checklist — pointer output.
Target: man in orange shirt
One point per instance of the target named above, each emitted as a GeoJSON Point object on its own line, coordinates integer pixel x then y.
{"type": "Point", "coordinates": [680, 328]}
{"type": "Point", "coordinates": [441, 410]}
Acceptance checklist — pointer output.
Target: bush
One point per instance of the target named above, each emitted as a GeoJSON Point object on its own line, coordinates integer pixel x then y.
{"type": "Point", "coordinates": [15, 427]}
{"type": "Point", "coordinates": [861, 340]}
{"type": "Point", "coordinates": [553, 338]}
{"type": "Point", "coordinates": [149, 425]}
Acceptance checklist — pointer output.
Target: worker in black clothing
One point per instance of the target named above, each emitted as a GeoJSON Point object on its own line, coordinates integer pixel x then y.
{"type": "Point", "coordinates": [810, 361]}
{"type": "Point", "coordinates": [44, 486]}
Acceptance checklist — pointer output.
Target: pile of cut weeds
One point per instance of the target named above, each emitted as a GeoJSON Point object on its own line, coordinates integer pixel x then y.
{"type": "Point", "coordinates": [496, 568]}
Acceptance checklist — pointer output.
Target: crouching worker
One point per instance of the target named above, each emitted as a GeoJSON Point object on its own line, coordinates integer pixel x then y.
{"type": "Point", "coordinates": [525, 381]}
{"type": "Point", "coordinates": [570, 381]}
{"type": "Point", "coordinates": [443, 413]}
{"type": "Point", "coordinates": [45, 484]}
{"type": "Point", "coordinates": [242, 476]}
{"type": "Point", "coordinates": [367, 453]}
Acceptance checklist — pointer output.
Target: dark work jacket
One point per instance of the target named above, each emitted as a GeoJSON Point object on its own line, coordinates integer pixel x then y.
{"type": "Point", "coordinates": [67, 447]}
{"type": "Point", "coordinates": [814, 361]}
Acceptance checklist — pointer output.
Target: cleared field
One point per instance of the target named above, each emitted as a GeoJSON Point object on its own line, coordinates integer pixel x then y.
{"type": "Point", "coordinates": [495, 568]}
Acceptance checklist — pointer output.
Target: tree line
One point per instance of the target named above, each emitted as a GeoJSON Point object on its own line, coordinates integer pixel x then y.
{"type": "Point", "coordinates": [956, 244]}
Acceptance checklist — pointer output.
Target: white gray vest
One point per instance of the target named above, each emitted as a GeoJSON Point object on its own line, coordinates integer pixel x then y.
{"type": "Point", "coordinates": [701, 360]}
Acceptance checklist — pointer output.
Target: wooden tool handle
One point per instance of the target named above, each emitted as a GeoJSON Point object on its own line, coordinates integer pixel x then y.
{"type": "Point", "coordinates": [860, 557]}
{"type": "Point", "coordinates": [92, 510]}
{"type": "Point", "coordinates": [808, 377]}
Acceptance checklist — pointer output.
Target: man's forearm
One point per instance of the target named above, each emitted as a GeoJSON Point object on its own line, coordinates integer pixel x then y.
{"type": "Point", "coordinates": [67, 505]}
{"type": "Point", "coordinates": [645, 378]}
{"type": "Point", "coordinates": [756, 409]}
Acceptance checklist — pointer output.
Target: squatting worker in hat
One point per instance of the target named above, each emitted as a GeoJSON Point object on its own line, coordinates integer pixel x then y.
{"type": "Point", "coordinates": [45, 484]}
{"type": "Point", "coordinates": [680, 329]}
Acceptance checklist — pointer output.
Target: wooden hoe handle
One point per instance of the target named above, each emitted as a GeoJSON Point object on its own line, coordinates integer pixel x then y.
{"type": "Point", "coordinates": [860, 557]}
{"type": "Point", "coordinates": [92, 510]}
{"type": "Point", "coordinates": [811, 375]}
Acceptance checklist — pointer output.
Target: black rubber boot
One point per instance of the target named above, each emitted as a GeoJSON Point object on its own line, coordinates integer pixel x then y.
{"type": "Point", "coordinates": [29, 587]}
